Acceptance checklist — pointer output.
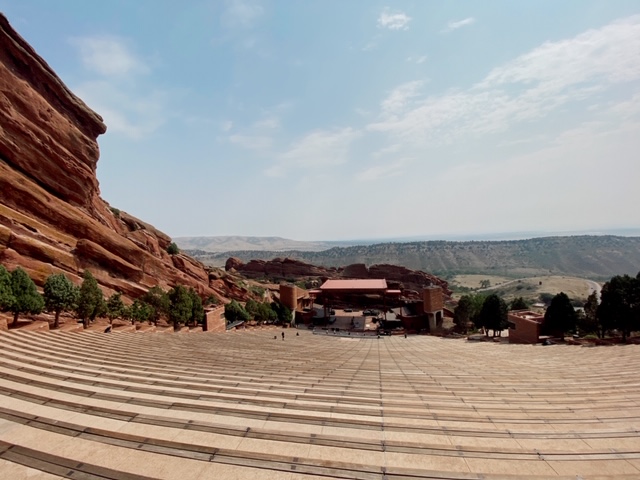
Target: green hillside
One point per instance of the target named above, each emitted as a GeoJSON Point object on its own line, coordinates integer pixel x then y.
{"type": "Point", "coordinates": [597, 257]}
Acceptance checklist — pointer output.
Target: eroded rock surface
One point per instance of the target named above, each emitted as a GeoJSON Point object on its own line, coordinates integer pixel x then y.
{"type": "Point", "coordinates": [291, 269]}
{"type": "Point", "coordinates": [52, 218]}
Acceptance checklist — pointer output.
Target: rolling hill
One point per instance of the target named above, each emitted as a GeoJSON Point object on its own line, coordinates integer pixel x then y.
{"type": "Point", "coordinates": [590, 256]}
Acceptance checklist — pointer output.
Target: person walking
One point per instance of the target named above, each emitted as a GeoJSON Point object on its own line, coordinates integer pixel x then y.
{"type": "Point", "coordinates": [283, 336]}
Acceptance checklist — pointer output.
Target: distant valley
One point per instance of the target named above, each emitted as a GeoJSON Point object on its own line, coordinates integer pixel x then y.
{"type": "Point", "coordinates": [590, 256]}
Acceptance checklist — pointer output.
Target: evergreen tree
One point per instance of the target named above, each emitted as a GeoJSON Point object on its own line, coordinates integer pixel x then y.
{"type": "Point", "coordinates": [494, 315]}
{"type": "Point", "coordinates": [26, 296]}
{"type": "Point", "coordinates": [60, 295]}
{"type": "Point", "coordinates": [560, 317]}
{"type": "Point", "coordinates": [477, 301]}
{"type": "Point", "coordinates": [139, 312]}
{"type": "Point", "coordinates": [620, 305]}
{"type": "Point", "coordinates": [115, 307]}
{"type": "Point", "coordinates": [6, 294]}
{"type": "Point", "coordinates": [233, 311]}
{"type": "Point", "coordinates": [283, 313]}
{"type": "Point", "coordinates": [158, 301]}
{"type": "Point", "coordinates": [180, 306]}
{"type": "Point", "coordinates": [588, 323]}
{"type": "Point", "coordinates": [463, 313]}
{"type": "Point", "coordinates": [197, 309]}
{"type": "Point", "coordinates": [518, 303]}
{"type": "Point", "coordinates": [91, 302]}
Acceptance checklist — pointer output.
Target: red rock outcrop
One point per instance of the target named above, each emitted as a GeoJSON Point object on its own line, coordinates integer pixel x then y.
{"type": "Point", "coordinates": [278, 268]}
{"type": "Point", "coordinates": [287, 268]}
{"type": "Point", "coordinates": [52, 218]}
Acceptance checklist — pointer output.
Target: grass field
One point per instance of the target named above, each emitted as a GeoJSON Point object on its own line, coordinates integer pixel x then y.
{"type": "Point", "coordinates": [529, 288]}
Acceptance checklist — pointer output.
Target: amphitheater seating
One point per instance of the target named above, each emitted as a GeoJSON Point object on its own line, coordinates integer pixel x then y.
{"type": "Point", "coordinates": [242, 405]}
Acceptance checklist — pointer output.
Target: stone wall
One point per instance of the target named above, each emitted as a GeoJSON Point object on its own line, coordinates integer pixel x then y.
{"type": "Point", "coordinates": [214, 320]}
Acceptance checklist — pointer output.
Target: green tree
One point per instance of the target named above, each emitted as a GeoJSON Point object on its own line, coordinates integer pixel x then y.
{"type": "Point", "coordinates": [518, 303]}
{"type": "Point", "coordinates": [115, 307]}
{"type": "Point", "coordinates": [494, 315]}
{"type": "Point", "coordinates": [180, 306]}
{"type": "Point", "coordinates": [6, 294]}
{"type": "Point", "coordinates": [139, 312]}
{"type": "Point", "coordinates": [560, 317]}
{"type": "Point", "coordinates": [26, 296]}
{"type": "Point", "coordinates": [211, 300]}
{"type": "Point", "coordinates": [60, 295]}
{"type": "Point", "coordinates": [620, 305]}
{"type": "Point", "coordinates": [173, 249]}
{"type": "Point", "coordinates": [588, 323]}
{"type": "Point", "coordinates": [485, 283]}
{"type": "Point", "coordinates": [477, 301]}
{"type": "Point", "coordinates": [91, 302]}
{"type": "Point", "coordinates": [158, 301]}
{"type": "Point", "coordinates": [546, 297]}
{"type": "Point", "coordinates": [233, 311]}
{"type": "Point", "coordinates": [283, 313]}
{"type": "Point", "coordinates": [197, 309]}
{"type": "Point", "coordinates": [251, 306]}
{"type": "Point", "coordinates": [462, 314]}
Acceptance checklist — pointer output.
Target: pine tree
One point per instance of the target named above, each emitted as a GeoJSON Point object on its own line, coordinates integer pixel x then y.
{"type": "Point", "coordinates": [60, 295]}
{"type": "Point", "coordinates": [91, 299]}
{"type": "Point", "coordinates": [180, 306]}
{"type": "Point", "coordinates": [6, 294]}
{"type": "Point", "coordinates": [26, 296]}
{"type": "Point", "coordinates": [115, 307]}
{"type": "Point", "coordinates": [560, 317]}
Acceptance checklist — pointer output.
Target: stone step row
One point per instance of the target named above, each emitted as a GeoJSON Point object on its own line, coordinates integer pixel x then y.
{"type": "Point", "coordinates": [593, 388]}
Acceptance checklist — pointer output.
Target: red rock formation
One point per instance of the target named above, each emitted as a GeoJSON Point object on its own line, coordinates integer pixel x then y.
{"type": "Point", "coordinates": [279, 269]}
{"type": "Point", "coordinates": [52, 218]}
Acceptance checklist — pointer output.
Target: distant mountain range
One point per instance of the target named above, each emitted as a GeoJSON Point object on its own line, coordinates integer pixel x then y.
{"type": "Point", "coordinates": [590, 256]}
{"type": "Point", "coordinates": [273, 244]}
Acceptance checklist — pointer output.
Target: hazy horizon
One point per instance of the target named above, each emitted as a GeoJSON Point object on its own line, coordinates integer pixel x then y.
{"type": "Point", "coordinates": [498, 236]}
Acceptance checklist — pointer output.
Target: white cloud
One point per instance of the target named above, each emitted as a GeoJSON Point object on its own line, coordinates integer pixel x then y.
{"type": "Point", "coordinates": [270, 122]}
{"type": "Point", "coordinates": [108, 56]}
{"type": "Point", "coordinates": [393, 21]}
{"type": "Point", "coordinates": [418, 59]}
{"type": "Point", "coordinates": [119, 88]}
{"type": "Point", "coordinates": [530, 87]}
{"type": "Point", "coordinates": [241, 13]}
{"type": "Point", "coordinates": [385, 170]}
{"type": "Point", "coordinates": [316, 150]}
{"type": "Point", "coordinates": [459, 24]}
{"type": "Point", "coordinates": [133, 115]}
{"type": "Point", "coordinates": [251, 142]}
{"type": "Point", "coordinates": [400, 97]}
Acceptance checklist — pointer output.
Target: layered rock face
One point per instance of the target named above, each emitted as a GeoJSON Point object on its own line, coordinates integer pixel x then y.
{"type": "Point", "coordinates": [52, 218]}
{"type": "Point", "coordinates": [287, 268]}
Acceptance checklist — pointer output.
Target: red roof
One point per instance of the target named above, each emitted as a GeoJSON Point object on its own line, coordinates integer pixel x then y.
{"type": "Point", "coordinates": [376, 284]}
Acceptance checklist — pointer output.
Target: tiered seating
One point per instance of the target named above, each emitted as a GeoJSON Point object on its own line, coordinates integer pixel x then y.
{"type": "Point", "coordinates": [246, 405]}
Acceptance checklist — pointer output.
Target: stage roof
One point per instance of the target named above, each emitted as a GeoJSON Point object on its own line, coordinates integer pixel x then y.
{"type": "Point", "coordinates": [375, 284]}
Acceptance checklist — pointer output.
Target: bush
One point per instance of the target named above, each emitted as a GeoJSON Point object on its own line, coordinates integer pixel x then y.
{"type": "Point", "coordinates": [173, 249]}
{"type": "Point", "coordinates": [116, 212]}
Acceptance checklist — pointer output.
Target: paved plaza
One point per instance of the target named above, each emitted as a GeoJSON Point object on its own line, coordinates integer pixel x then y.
{"type": "Point", "coordinates": [246, 405]}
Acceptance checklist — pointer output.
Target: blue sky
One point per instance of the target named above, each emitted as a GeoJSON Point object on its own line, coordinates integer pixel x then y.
{"type": "Point", "coordinates": [327, 120]}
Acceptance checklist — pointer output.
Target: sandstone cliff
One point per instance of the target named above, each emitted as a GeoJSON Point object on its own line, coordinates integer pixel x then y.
{"type": "Point", "coordinates": [52, 218]}
{"type": "Point", "coordinates": [290, 269]}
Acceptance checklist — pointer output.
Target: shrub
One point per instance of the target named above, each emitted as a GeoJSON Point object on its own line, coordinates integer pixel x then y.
{"type": "Point", "coordinates": [173, 249]}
